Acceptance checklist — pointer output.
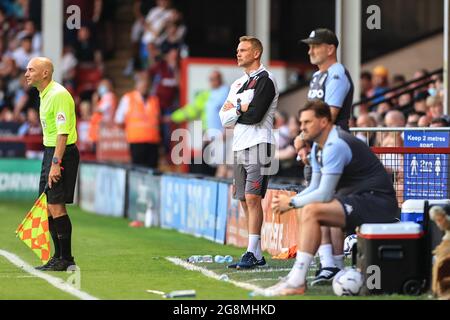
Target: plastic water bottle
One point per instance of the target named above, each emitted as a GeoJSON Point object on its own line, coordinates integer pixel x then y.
{"type": "Point", "coordinates": [207, 259]}
{"type": "Point", "coordinates": [219, 259]}
{"type": "Point", "coordinates": [228, 259]}
{"type": "Point", "coordinates": [194, 259]}
{"type": "Point", "coordinates": [180, 293]}
{"type": "Point", "coordinates": [224, 277]}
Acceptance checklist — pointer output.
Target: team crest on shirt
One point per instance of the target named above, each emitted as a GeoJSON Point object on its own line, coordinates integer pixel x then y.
{"type": "Point", "coordinates": [60, 118]}
{"type": "Point", "coordinates": [252, 83]}
{"type": "Point", "coordinates": [348, 208]}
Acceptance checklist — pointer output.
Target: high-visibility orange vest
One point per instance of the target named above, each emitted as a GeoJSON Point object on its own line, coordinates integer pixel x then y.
{"type": "Point", "coordinates": [94, 126]}
{"type": "Point", "coordinates": [142, 120]}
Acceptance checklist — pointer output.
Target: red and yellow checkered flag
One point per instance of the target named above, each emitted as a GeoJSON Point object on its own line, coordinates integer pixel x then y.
{"type": "Point", "coordinates": [34, 229]}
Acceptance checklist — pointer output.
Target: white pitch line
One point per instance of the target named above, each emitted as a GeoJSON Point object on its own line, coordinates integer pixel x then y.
{"type": "Point", "coordinates": [259, 270]}
{"type": "Point", "coordinates": [214, 275]}
{"type": "Point", "coordinates": [263, 279]}
{"type": "Point", "coordinates": [54, 281]}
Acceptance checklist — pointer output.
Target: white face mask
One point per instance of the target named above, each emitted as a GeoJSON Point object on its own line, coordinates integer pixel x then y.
{"type": "Point", "coordinates": [432, 92]}
{"type": "Point", "coordinates": [102, 90]}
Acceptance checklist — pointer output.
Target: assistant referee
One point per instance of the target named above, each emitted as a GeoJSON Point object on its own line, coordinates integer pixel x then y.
{"type": "Point", "coordinates": [61, 158]}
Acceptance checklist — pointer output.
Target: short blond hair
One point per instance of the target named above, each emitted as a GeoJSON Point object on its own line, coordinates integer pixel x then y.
{"type": "Point", "coordinates": [255, 42]}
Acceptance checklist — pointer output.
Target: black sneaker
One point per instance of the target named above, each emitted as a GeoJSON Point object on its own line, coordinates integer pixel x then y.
{"type": "Point", "coordinates": [325, 276]}
{"type": "Point", "coordinates": [260, 263]}
{"type": "Point", "coordinates": [248, 261]}
{"type": "Point", "coordinates": [49, 263]}
{"type": "Point", "coordinates": [234, 265]}
{"type": "Point", "coordinates": [61, 265]}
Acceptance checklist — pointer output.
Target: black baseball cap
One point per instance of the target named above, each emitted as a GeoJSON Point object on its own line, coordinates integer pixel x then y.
{"type": "Point", "coordinates": [320, 36]}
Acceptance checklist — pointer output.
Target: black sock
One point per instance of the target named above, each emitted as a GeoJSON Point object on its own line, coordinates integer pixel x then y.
{"type": "Point", "coordinates": [54, 234]}
{"type": "Point", "coordinates": [64, 230]}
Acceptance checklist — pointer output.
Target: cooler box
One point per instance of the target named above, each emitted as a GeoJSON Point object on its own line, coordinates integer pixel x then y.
{"type": "Point", "coordinates": [399, 250]}
{"type": "Point", "coordinates": [413, 210]}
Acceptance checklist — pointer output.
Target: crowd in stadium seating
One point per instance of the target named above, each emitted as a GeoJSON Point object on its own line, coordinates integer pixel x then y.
{"type": "Point", "coordinates": [418, 104]}
{"type": "Point", "coordinates": [157, 44]}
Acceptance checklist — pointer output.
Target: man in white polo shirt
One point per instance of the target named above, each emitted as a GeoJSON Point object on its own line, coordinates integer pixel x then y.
{"type": "Point", "coordinates": [250, 108]}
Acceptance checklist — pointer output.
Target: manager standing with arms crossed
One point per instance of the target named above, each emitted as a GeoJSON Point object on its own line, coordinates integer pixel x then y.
{"type": "Point", "coordinates": [333, 85]}
{"type": "Point", "coordinates": [61, 158]}
{"type": "Point", "coordinates": [250, 107]}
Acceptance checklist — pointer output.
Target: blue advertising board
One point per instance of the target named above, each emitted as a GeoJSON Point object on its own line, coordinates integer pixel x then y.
{"type": "Point", "coordinates": [222, 209]}
{"type": "Point", "coordinates": [202, 206]}
{"type": "Point", "coordinates": [426, 175]}
{"type": "Point", "coordinates": [173, 203]}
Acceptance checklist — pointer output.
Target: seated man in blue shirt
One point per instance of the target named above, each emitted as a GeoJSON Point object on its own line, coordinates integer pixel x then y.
{"type": "Point", "coordinates": [349, 187]}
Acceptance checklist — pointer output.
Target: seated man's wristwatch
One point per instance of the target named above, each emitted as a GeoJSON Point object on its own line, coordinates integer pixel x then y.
{"type": "Point", "coordinates": [291, 203]}
{"type": "Point", "coordinates": [56, 160]}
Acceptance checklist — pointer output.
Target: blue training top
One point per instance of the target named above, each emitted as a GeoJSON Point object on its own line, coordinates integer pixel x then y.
{"type": "Point", "coordinates": [335, 87]}
{"type": "Point", "coordinates": [360, 169]}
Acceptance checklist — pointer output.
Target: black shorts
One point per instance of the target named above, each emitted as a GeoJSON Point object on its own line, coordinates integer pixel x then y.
{"type": "Point", "coordinates": [64, 190]}
{"type": "Point", "coordinates": [369, 207]}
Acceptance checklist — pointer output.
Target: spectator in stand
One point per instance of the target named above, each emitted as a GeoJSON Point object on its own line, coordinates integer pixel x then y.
{"type": "Point", "coordinates": [104, 102]}
{"type": "Point", "coordinates": [393, 119]}
{"type": "Point", "coordinates": [25, 97]}
{"type": "Point", "coordinates": [436, 88]}
{"type": "Point", "coordinates": [140, 9]}
{"type": "Point", "coordinates": [174, 32]}
{"type": "Point", "coordinates": [366, 121]}
{"type": "Point", "coordinates": [156, 20]}
{"type": "Point", "coordinates": [164, 76]}
{"type": "Point", "coordinates": [287, 155]}
{"type": "Point", "coordinates": [366, 90]}
{"type": "Point", "coordinates": [404, 101]}
{"type": "Point", "coordinates": [31, 130]}
{"type": "Point", "coordinates": [24, 53]}
{"type": "Point", "coordinates": [86, 51]}
{"type": "Point", "coordinates": [419, 74]}
{"type": "Point", "coordinates": [69, 68]}
{"type": "Point", "coordinates": [440, 122]}
{"type": "Point", "coordinates": [206, 106]}
{"type": "Point", "coordinates": [424, 121]}
{"type": "Point", "coordinates": [281, 120]}
{"type": "Point", "coordinates": [85, 145]}
{"type": "Point", "coordinates": [6, 115]}
{"type": "Point", "coordinates": [397, 80]}
{"type": "Point", "coordinates": [420, 102]}
{"type": "Point", "coordinates": [17, 9]}
{"type": "Point", "coordinates": [383, 108]}
{"type": "Point", "coordinates": [29, 30]}
{"type": "Point", "coordinates": [435, 107]}
{"type": "Point", "coordinates": [4, 24]}
{"type": "Point", "coordinates": [413, 119]}
{"type": "Point", "coordinates": [380, 82]}
{"type": "Point", "coordinates": [3, 97]}
{"type": "Point", "coordinates": [139, 112]}
{"type": "Point", "coordinates": [104, 15]}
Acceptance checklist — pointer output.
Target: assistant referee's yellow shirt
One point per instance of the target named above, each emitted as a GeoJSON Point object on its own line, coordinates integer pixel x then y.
{"type": "Point", "coordinates": [57, 114]}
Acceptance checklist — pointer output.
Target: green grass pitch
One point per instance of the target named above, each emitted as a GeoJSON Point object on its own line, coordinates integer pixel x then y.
{"type": "Point", "coordinates": [119, 262]}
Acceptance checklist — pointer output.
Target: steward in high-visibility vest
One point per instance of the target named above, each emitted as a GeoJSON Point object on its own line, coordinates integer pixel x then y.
{"type": "Point", "coordinates": [142, 120]}
{"type": "Point", "coordinates": [140, 113]}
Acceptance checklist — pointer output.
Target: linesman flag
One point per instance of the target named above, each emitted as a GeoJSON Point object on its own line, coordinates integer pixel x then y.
{"type": "Point", "coordinates": [33, 230]}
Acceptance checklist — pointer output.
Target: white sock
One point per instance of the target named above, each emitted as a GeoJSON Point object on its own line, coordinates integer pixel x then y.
{"type": "Point", "coordinates": [339, 261]}
{"type": "Point", "coordinates": [326, 256]}
{"type": "Point", "coordinates": [253, 243]}
{"type": "Point", "coordinates": [297, 276]}
{"type": "Point", "coordinates": [259, 253]}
